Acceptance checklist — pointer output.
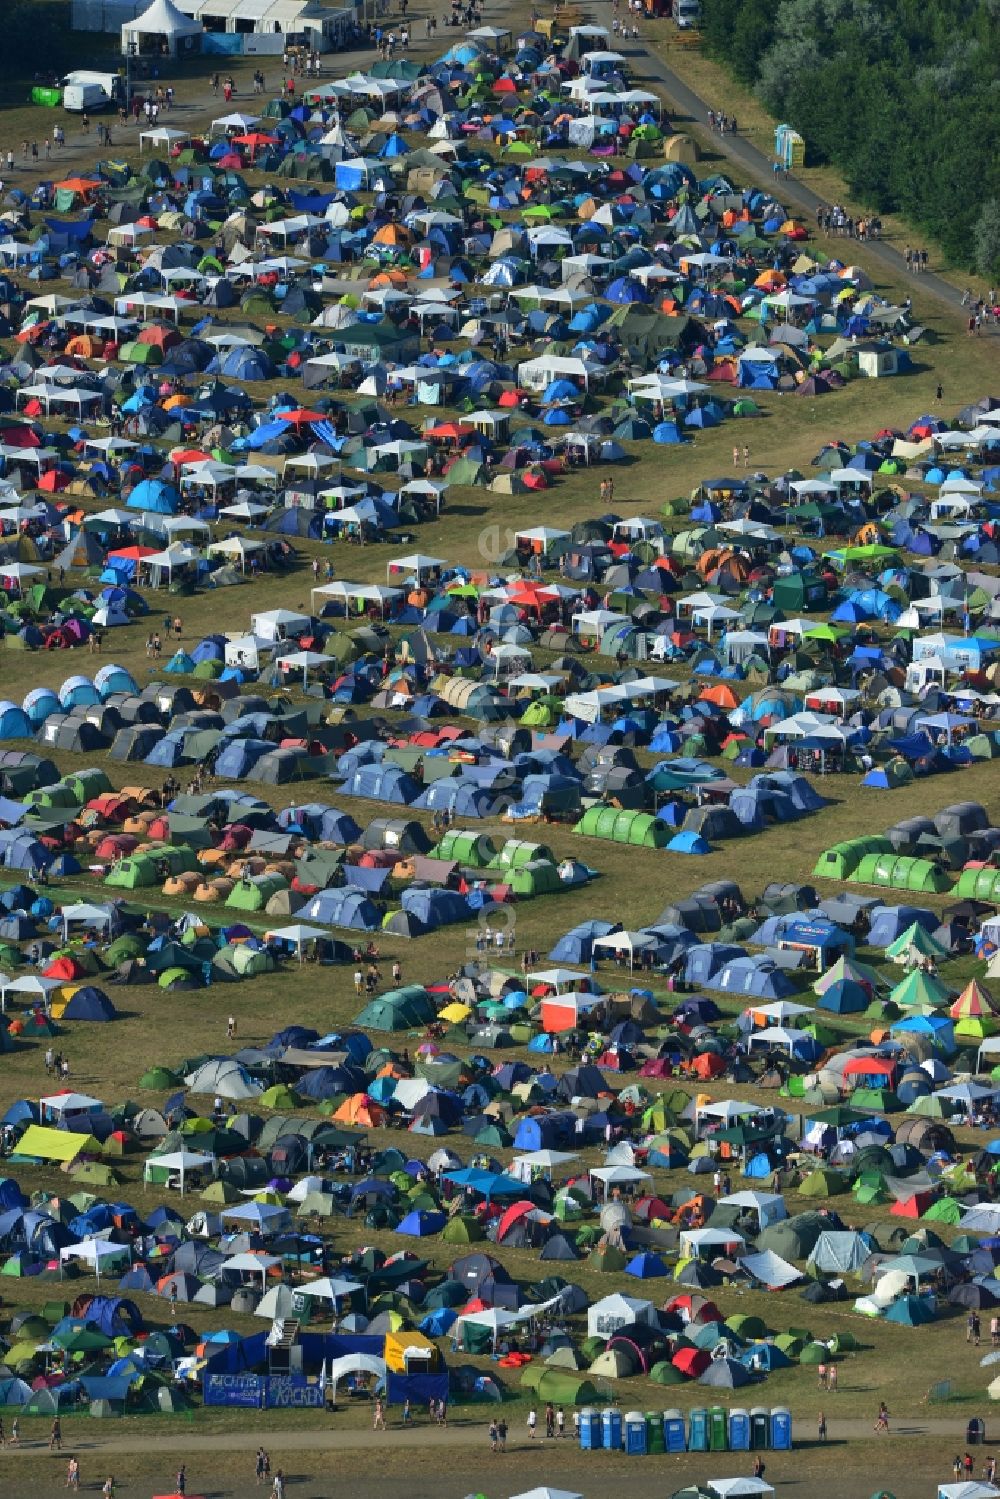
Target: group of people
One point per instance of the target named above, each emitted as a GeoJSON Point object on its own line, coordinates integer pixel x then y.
{"type": "Point", "coordinates": [916, 260]}
{"type": "Point", "coordinates": [720, 121]}
{"type": "Point", "coordinates": [839, 222]}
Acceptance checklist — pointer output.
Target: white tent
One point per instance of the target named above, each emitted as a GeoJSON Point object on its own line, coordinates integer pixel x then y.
{"type": "Point", "coordinates": [612, 1313]}
{"type": "Point", "coordinates": [164, 23]}
{"type": "Point", "coordinates": [179, 1161]}
{"type": "Point", "coordinates": [354, 1363]}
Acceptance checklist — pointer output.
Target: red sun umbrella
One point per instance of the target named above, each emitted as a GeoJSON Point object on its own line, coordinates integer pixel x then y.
{"type": "Point", "coordinates": [301, 418]}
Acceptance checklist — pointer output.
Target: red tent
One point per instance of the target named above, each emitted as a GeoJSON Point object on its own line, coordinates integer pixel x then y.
{"type": "Point", "coordinates": [691, 1361]}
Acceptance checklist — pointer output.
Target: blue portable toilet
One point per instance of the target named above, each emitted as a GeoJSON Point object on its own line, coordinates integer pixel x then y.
{"type": "Point", "coordinates": [739, 1431]}
{"type": "Point", "coordinates": [674, 1435]}
{"type": "Point", "coordinates": [611, 1428]}
{"type": "Point", "coordinates": [635, 1434]}
{"type": "Point", "coordinates": [781, 1428]}
{"type": "Point", "coordinates": [590, 1430]}
{"type": "Point", "coordinates": [760, 1428]}
{"type": "Point", "coordinates": [698, 1430]}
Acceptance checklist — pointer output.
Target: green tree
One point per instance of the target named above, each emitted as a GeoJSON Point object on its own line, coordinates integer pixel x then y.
{"type": "Point", "coordinates": [986, 240]}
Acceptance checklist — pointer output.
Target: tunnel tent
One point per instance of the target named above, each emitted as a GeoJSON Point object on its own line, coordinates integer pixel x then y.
{"type": "Point", "coordinates": [398, 1010]}
{"type": "Point", "coordinates": [900, 872]}
{"type": "Point", "coordinates": [841, 860]}
{"type": "Point", "coordinates": [465, 847]}
{"type": "Point", "coordinates": [617, 825]}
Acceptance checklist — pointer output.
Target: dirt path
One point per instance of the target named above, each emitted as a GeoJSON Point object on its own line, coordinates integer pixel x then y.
{"type": "Point", "coordinates": [326, 1438]}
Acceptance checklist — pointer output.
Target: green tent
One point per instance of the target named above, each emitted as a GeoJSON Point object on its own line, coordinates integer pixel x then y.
{"type": "Point", "coordinates": [540, 877]}
{"type": "Point", "coordinates": [616, 825]}
{"type": "Point", "coordinates": [463, 1230]}
{"type": "Point", "coordinates": [134, 873]}
{"type": "Point", "coordinates": [607, 1260]}
{"type": "Point", "coordinates": [397, 1010]}
{"type": "Point", "coordinates": [474, 850]}
{"type": "Point", "coordinates": [159, 1079]}
{"type": "Point", "coordinates": [516, 852]}
{"type": "Point", "coordinates": [922, 989]}
{"type": "Point", "coordinates": [824, 1182]}
{"type": "Point", "coordinates": [841, 860]}
{"type": "Point", "coordinates": [563, 1387]}
{"type": "Point", "coordinates": [900, 872]}
{"type": "Point", "coordinates": [254, 893]}
{"type": "Point", "coordinates": [280, 1096]}
{"type": "Point", "coordinates": [979, 884]}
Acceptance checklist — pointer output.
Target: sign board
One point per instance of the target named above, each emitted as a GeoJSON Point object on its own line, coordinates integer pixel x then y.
{"type": "Point", "coordinates": [263, 1391]}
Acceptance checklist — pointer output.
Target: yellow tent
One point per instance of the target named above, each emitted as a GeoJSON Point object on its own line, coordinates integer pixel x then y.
{"type": "Point", "coordinates": [401, 1346]}
{"type": "Point", "coordinates": [455, 1013]}
{"type": "Point", "coordinates": [54, 1144]}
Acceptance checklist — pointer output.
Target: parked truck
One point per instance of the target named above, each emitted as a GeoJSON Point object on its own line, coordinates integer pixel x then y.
{"type": "Point", "coordinates": [91, 92]}
{"type": "Point", "coordinates": [687, 14]}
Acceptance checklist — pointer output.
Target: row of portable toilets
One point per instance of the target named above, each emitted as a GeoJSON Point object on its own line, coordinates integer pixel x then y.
{"type": "Point", "coordinates": [706, 1430]}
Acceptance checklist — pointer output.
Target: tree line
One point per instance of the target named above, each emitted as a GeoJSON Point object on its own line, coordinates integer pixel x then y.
{"type": "Point", "coordinates": [901, 96]}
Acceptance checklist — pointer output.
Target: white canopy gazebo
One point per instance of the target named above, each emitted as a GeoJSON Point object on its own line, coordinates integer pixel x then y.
{"type": "Point", "coordinates": [162, 23]}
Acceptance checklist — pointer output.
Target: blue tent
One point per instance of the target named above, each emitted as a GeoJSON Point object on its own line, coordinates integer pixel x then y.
{"type": "Point", "coordinates": [343, 907]}
{"type": "Point", "coordinates": [383, 783]}
{"type": "Point", "coordinates": [434, 907]}
{"type": "Point", "coordinates": [155, 496]}
{"type": "Point", "coordinates": [421, 1223]}
{"type": "Point", "coordinates": [646, 1267]}
{"type": "Point", "coordinates": [14, 722]}
{"type": "Point", "coordinates": [89, 1003]}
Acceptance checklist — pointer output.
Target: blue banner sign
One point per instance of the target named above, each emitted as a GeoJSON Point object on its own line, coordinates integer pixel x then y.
{"type": "Point", "coordinates": [263, 1391]}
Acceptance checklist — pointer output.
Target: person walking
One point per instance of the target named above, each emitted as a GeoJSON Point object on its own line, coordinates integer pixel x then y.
{"type": "Point", "coordinates": [494, 1437]}
{"type": "Point", "coordinates": [108, 1488]}
{"type": "Point", "coordinates": [378, 1416]}
{"type": "Point", "coordinates": [260, 1466]}
{"type": "Point", "coordinates": [881, 1426]}
{"type": "Point", "coordinates": [180, 1483]}
{"type": "Point", "coordinates": [278, 1486]}
{"type": "Point", "coordinates": [532, 1423]}
{"type": "Point", "coordinates": [73, 1474]}
{"type": "Point", "coordinates": [831, 1378]}
{"type": "Point", "coordinates": [55, 1435]}
{"type": "Point", "coordinates": [502, 1434]}
{"type": "Point", "coordinates": [821, 1427]}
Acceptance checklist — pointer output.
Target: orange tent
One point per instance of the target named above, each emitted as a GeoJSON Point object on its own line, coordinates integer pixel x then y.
{"type": "Point", "coordinates": [392, 234]}
{"type": "Point", "coordinates": [361, 1110]}
{"type": "Point", "coordinates": [722, 696]}
{"type": "Point", "coordinates": [391, 277]}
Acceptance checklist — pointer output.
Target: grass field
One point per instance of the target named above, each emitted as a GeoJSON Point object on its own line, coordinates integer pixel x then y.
{"type": "Point", "coordinates": [634, 886]}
